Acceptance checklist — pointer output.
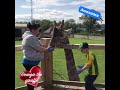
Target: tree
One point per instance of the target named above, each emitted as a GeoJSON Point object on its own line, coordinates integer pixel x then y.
{"type": "Point", "coordinates": [70, 23]}
{"type": "Point", "coordinates": [21, 22]}
{"type": "Point", "coordinates": [45, 24]}
{"type": "Point", "coordinates": [37, 21]}
{"type": "Point", "coordinates": [89, 23]}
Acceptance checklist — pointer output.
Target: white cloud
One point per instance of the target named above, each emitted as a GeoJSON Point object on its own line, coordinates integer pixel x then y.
{"type": "Point", "coordinates": [25, 6]}
{"type": "Point", "coordinates": [48, 14]}
{"type": "Point", "coordinates": [52, 12]}
{"type": "Point", "coordinates": [22, 16]}
{"type": "Point", "coordinates": [41, 9]}
{"type": "Point", "coordinates": [41, 3]}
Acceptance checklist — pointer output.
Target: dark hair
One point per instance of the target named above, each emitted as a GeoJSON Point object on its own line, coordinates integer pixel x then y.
{"type": "Point", "coordinates": [33, 26]}
{"type": "Point", "coordinates": [84, 45]}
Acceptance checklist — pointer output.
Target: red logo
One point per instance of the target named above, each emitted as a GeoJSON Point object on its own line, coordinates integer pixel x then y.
{"type": "Point", "coordinates": [31, 77]}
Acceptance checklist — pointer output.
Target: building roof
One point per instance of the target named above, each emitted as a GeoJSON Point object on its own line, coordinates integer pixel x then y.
{"type": "Point", "coordinates": [20, 25]}
{"type": "Point", "coordinates": [48, 31]}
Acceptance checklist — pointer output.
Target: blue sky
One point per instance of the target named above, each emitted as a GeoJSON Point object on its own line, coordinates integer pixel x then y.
{"type": "Point", "coordinates": [56, 9]}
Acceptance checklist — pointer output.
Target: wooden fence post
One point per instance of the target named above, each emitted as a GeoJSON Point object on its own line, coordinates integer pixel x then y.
{"type": "Point", "coordinates": [47, 66]}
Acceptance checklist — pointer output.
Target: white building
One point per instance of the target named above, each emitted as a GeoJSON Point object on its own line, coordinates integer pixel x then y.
{"type": "Point", "coordinates": [19, 30]}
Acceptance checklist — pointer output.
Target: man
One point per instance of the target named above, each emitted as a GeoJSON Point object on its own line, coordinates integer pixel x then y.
{"type": "Point", "coordinates": [91, 65]}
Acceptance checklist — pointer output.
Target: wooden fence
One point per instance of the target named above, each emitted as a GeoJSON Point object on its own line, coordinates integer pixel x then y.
{"type": "Point", "coordinates": [48, 62]}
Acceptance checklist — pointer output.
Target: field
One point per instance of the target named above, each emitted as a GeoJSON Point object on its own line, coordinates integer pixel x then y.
{"type": "Point", "coordinates": [59, 64]}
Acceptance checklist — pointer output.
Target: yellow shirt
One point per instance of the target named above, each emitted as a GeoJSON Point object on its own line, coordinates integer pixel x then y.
{"type": "Point", "coordinates": [91, 60]}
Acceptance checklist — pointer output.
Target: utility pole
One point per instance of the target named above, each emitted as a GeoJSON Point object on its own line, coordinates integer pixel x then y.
{"type": "Point", "coordinates": [31, 11]}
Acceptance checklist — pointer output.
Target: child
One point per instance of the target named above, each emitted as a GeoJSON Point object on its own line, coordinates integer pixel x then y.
{"type": "Point", "coordinates": [91, 65]}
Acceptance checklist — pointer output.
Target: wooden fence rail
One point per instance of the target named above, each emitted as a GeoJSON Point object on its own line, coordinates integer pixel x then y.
{"type": "Point", "coordinates": [70, 46]}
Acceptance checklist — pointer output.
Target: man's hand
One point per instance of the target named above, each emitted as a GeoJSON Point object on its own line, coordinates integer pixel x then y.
{"type": "Point", "coordinates": [78, 71]}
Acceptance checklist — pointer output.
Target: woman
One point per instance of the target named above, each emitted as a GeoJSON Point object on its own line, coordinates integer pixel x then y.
{"type": "Point", "coordinates": [32, 49]}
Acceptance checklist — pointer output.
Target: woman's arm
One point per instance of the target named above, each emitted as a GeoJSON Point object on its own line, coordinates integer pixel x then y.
{"type": "Point", "coordinates": [41, 49]}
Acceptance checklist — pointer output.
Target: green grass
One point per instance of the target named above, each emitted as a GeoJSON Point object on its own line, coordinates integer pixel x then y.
{"type": "Point", "coordinates": [18, 42]}
{"type": "Point", "coordinates": [18, 68]}
{"type": "Point", "coordinates": [79, 40]}
{"type": "Point", "coordinates": [76, 41]}
{"type": "Point", "coordinates": [59, 65]}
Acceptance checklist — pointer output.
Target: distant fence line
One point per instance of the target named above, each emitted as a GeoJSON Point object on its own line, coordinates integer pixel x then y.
{"type": "Point", "coordinates": [69, 46]}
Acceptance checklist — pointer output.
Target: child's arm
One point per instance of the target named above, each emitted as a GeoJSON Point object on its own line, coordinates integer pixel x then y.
{"type": "Point", "coordinates": [88, 63]}
{"type": "Point", "coordinates": [85, 67]}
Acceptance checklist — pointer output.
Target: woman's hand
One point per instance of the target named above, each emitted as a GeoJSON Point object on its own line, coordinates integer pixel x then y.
{"type": "Point", "coordinates": [50, 49]}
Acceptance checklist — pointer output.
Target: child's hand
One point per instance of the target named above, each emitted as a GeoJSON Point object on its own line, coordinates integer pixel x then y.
{"type": "Point", "coordinates": [78, 71]}
{"type": "Point", "coordinates": [80, 67]}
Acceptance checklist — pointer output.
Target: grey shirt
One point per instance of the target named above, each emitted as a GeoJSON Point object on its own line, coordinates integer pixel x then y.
{"type": "Point", "coordinates": [29, 43]}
